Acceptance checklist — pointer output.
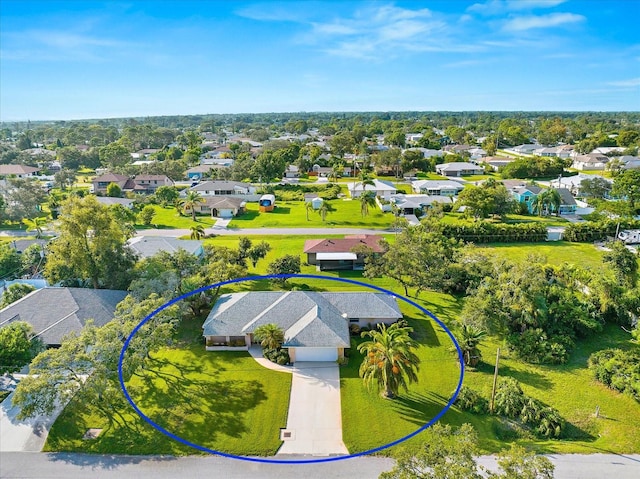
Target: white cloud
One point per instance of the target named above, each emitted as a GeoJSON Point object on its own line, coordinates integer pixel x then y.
{"type": "Point", "coordinates": [517, 24]}
{"type": "Point", "coordinates": [630, 83]}
{"type": "Point", "coordinates": [493, 7]}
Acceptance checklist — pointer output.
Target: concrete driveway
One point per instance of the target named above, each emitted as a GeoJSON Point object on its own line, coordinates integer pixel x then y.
{"type": "Point", "coordinates": [28, 435]}
{"type": "Point", "coordinates": [314, 423]}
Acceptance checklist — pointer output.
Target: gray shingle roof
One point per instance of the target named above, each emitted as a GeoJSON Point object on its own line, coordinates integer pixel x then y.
{"type": "Point", "coordinates": [146, 246]}
{"type": "Point", "coordinates": [307, 318]}
{"type": "Point", "coordinates": [55, 312]}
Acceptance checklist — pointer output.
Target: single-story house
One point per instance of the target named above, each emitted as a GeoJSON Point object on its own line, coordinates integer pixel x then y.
{"type": "Point", "coordinates": [427, 152]}
{"type": "Point", "coordinates": [20, 171]}
{"type": "Point", "coordinates": [495, 162]}
{"type": "Point", "coordinates": [629, 162]}
{"type": "Point", "coordinates": [414, 204]}
{"type": "Point", "coordinates": [222, 206]}
{"type": "Point", "coordinates": [573, 183]}
{"type": "Point", "coordinates": [54, 313]}
{"type": "Point", "coordinates": [590, 162]}
{"type": "Point", "coordinates": [108, 201]}
{"type": "Point", "coordinates": [223, 187]}
{"type": "Point", "coordinates": [382, 189]}
{"type": "Point", "coordinates": [338, 253]}
{"type": "Point", "coordinates": [437, 187]}
{"type": "Point", "coordinates": [315, 325]}
{"type": "Point", "coordinates": [292, 172]}
{"type": "Point", "coordinates": [459, 169]}
{"type": "Point", "coordinates": [146, 246]}
{"type": "Point", "coordinates": [526, 149]}
{"type": "Point", "coordinates": [200, 171]}
{"type": "Point", "coordinates": [457, 149]}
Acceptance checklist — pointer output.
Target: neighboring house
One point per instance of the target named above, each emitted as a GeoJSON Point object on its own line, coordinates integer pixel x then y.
{"type": "Point", "coordinates": [222, 206]}
{"type": "Point", "coordinates": [495, 162]}
{"type": "Point", "coordinates": [416, 204]}
{"type": "Point", "coordinates": [144, 153]}
{"type": "Point", "coordinates": [54, 313]}
{"type": "Point", "coordinates": [215, 188]}
{"type": "Point", "coordinates": [108, 201]}
{"type": "Point", "coordinates": [146, 246]}
{"type": "Point", "coordinates": [338, 254]}
{"type": "Point", "coordinates": [200, 171]}
{"type": "Point", "coordinates": [427, 152]}
{"type": "Point", "coordinates": [457, 149]}
{"type": "Point", "coordinates": [100, 183]}
{"type": "Point", "coordinates": [592, 161]}
{"type": "Point", "coordinates": [562, 151]}
{"type": "Point", "coordinates": [459, 169]}
{"type": "Point", "coordinates": [629, 162]}
{"type": "Point", "coordinates": [568, 203]}
{"type": "Point", "coordinates": [382, 189]}
{"type": "Point", "coordinates": [528, 195]}
{"type": "Point", "coordinates": [292, 172]}
{"type": "Point", "coordinates": [150, 183]}
{"type": "Point", "coordinates": [526, 149]}
{"type": "Point", "coordinates": [477, 153]}
{"type": "Point", "coordinates": [437, 187]}
{"type": "Point", "coordinates": [19, 171]}
{"type": "Point", "coordinates": [573, 183]}
{"type": "Point", "coordinates": [315, 325]}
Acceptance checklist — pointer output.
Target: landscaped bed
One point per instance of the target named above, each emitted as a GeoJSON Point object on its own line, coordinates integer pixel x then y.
{"type": "Point", "coordinates": [223, 401]}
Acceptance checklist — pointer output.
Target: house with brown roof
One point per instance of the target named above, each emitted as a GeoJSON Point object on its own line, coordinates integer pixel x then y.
{"type": "Point", "coordinates": [221, 206]}
{"type": "Point", "coordinates": [100, 183]}
{"type": "Point", "coordinates": [341, 253]}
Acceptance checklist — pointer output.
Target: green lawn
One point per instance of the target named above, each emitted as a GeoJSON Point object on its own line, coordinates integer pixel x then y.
{"type": "Point", "coordinates": [224, 401]}
{"type": "Point", "coordinates": [288, 214]}
{"type": "Point", "coordinates": [556, 252]}
{"type": "Point", "coordinates": [168, 218]}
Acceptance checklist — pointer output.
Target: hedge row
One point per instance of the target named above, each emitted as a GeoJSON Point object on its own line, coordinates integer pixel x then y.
{"type": "Point", "coordinates": [591, 231]}
{"type": "Point", "coordinates": [485, 232]}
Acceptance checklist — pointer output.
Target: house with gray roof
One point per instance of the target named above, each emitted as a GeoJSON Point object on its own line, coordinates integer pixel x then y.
{"type": "Point", "coordinates": [315, 325]}
{"type": "Point", "coordinates": [437, 187]}
{"type": "Point", "coordinates": [54, 313]}
{"type": "Point", "coordinates": [461, 168]}
{"type": "Point", "coordinates": [146, 246]}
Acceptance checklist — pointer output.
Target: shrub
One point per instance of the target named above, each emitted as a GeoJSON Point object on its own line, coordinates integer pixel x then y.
{"type": "Point", "coordinates": [485, 232]}
{"type": "Point", "coordinates": [618, 370]}
{"type": "Point", "coordinates": [591, 231]}
{"type": "Point", "coordinates": [533, 346]}
{"type": "Point", "coordinates": [509, 399]}
{"type": "Point", "coordinates": [470, 400]}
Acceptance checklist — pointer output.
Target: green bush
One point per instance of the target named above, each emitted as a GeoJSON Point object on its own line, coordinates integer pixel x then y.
{"type": "Point", "coordinates": [509, 399]}
{"type": "Point", "coordinates": [533, 346]}
{"type": "Point", "coordinates": [485, 232]}
{"type": "Point", "coordinates": [617, 369]}
{"type": "Point", "coordinates": [591, 231]}
{"type": "Point", "coordinates": [470, 400]}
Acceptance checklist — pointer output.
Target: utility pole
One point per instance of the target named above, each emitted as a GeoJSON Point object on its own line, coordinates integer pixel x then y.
{"type": "Point", "coordinates": [495, 382]}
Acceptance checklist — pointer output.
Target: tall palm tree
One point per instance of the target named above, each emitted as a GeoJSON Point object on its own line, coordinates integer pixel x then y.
{"type": "Point", "coordinates": [554, 200]}
{"type": "Point", "coordinates": [308, 206]}
{"type": "Point", "coordinates": [271, 336]}
{"type": "Point", "coordinates": [35, 224]}
{"type": "Point", "coordinates": [325, 209]}
{"type": "Point", "coordinates": [389, 363]}
{"type": "Point", "coordinates": [367, 198]}
{"type": "Point", "coordinates": [197, 232]}
{"type": "Point", "coordinates": [542, 203]}
{"type": "Point", "coordinates": [364, 180]}
{"type": "Point", "coordinates": [190, 202]}
{"type": "Point", "coordinates": [469, 339]}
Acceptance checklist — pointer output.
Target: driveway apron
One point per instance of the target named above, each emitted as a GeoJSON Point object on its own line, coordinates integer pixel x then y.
{"type": "Point", "coordinates": [314, 423]}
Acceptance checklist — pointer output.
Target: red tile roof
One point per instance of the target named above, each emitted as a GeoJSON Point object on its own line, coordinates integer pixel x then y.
{"type": "Point", "coordinates": [343, 245]}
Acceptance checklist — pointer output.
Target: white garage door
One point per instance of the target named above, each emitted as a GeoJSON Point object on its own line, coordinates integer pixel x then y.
{"type": "Point", "coordinates": [316, 354]}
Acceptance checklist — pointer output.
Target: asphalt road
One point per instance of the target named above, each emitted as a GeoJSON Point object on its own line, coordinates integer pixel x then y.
{"type": "Point", "coordinates": [27, 465]}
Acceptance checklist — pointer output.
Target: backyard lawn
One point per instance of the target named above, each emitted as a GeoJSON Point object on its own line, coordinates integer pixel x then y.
{"type": "Point", "coordinates": [224, 401]}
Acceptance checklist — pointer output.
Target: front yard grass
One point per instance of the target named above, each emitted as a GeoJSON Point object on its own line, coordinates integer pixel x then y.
{"type": "Point", "coordinates": [169, 218]}
{"type": "Point", "coordinates": [292, 214]}
{"type": "Point", "coordinates": [224, 401]}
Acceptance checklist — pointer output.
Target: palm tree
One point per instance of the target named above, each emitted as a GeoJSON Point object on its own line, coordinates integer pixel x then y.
{"type": "Point", "coordinates": [554, 200]}
{"type": "Point", "coordinates": [35, 224]}
{"type": "Point", "coordinates": [541, 203]}
{"type": "Point", "coordinates": [336, 172]}
{"type": "Point", "coordinates": [367, 198]}
{"type": "Point", "coordinates": [308, 206]}
{"type": "Point", "coordinates": [389, 361]}
{"type": "Point", "coordinates": [270, 336]}
{"type": "Point", "coordinates": [365, 180]}
{"type": "Point", "coordinates": [190, 202]}
{"type": "Point", "coordinates": [325, 209]}
{"type": "Point", "coordinates": [197, 232]}
{"type": "Point", "coordinates": [469, 339]}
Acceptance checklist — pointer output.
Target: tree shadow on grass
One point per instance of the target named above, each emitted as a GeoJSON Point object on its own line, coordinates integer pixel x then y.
{"type": "Point", "coordinates": [417, 408]}
{"type": "Point", "coordinates": [423, 331]}
{"type": "Point", "coordinates": [531, 378]}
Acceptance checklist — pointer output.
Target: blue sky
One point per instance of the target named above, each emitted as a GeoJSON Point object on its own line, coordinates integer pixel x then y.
{"type": "Point", "coordinates": [84, 59]}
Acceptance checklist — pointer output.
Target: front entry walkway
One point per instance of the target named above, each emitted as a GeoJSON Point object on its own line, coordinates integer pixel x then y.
{"type": "Point", "coordinates": [314, 423]}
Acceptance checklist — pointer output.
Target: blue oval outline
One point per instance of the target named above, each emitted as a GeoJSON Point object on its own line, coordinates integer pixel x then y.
{"type": "Point", "coordinates": [288, 461]}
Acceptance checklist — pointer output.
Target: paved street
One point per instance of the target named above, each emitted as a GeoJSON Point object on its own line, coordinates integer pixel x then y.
{"type": "Point", "coordinates": [26, 465]}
